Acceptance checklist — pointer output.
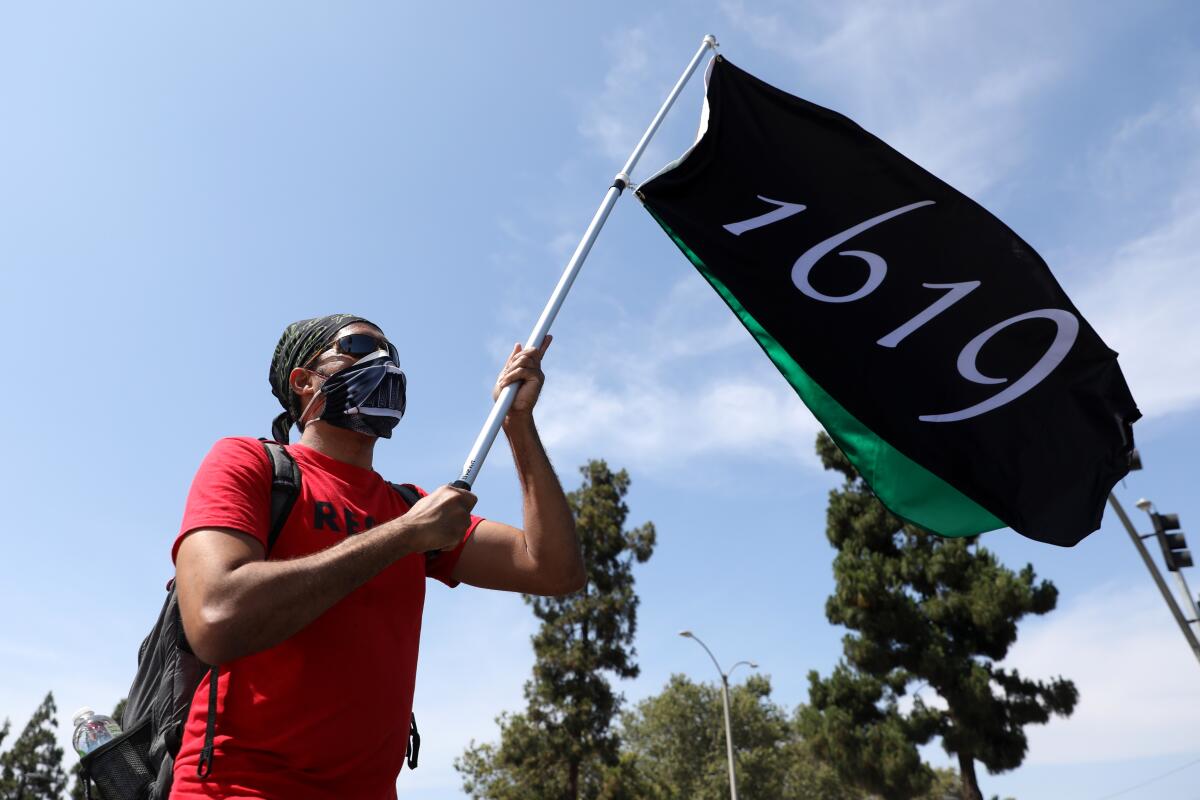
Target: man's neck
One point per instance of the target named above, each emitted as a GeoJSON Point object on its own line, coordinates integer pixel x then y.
{"type": "Point", "coordinates": [350, 447]}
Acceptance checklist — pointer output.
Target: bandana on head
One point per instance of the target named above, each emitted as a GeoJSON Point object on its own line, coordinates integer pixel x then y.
{"type": "Point", "coordinates": [299, 343]}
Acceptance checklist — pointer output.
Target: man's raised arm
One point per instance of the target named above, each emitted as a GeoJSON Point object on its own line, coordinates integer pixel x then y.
{"type": "Point", "coordinates": [545, 557]}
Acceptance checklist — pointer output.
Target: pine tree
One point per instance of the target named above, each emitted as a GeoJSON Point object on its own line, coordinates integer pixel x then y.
{"type": "Point", "coordinates": [32, 769]}
{"type": "Point", "coordinates": [922, 608]}
{"type": "Point", "coordinates": [676, 740]}
{"type": "Point", "coordinates": [563, 747]}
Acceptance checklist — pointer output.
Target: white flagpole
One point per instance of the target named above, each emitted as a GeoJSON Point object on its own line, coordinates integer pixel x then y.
{"type": "Point", "coordinates": [491, 427]}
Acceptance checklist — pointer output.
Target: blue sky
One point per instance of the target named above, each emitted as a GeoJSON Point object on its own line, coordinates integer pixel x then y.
{"type": "Point", "coordinates": [177, 183]}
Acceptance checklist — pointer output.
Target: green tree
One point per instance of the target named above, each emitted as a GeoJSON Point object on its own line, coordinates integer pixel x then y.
{"type": "Point", "coordinates": [32, 768]}
{"type": "Point", "coordinates": [77, 788]}
{"type": "Point", "coordinates": [922, 608]}
{"type": "Point", "coordinates": [676, 740]}
{"type": "Point", "coordinates": [946, 786]}
{"type": "Point", "coordinates": [853, 722]}
{"type": "Point", "coordinates": [563, 746]}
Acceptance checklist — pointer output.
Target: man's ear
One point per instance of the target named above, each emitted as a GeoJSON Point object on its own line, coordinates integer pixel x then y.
{"type": "Point", "coordinates": [304, 383]}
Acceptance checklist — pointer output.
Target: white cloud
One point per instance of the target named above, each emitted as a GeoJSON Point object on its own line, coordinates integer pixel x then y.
{"type": "Point", "coordinates": [513, 232]}
{"type": "Point", "coordinates": [1143, 297]}
{"type": "Point", "coordinates": [940, 85]}
{"type": "Point", "coordinates": [562, 245]}
{"type": "Point", "coordinates": [1135, 674]}
{"type": "Point", "coordinates": [652, 422]}
{"type": "Point", "coordinates": [1142, 155]}
{"type": "Point", "coordinates": [606, 120]}
{"type": "Point", "coordinates": [688, 383]}
{"type": "Point", "coordinates": [614, 119]}
{"type": "Point", "coordinates": [1144, 305]}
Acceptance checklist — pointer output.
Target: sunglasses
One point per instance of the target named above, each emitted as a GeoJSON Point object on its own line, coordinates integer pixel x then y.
{"type": "Point", "coordinates": [357, 345]}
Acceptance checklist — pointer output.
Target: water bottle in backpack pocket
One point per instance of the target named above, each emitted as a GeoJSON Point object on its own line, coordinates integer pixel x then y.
{"type": "Point", "coordinates": [115, 761]}
{"type": "Point", "coordinates": [92, 730]}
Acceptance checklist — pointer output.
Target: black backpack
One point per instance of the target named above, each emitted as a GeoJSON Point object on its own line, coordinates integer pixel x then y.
{"type": "Point", "coordinates": [140, 763]}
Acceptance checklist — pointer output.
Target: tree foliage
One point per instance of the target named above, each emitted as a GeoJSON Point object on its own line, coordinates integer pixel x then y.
{"type": "Point", "coordinates": [564, 745]}
{"type": "Point", "coordinates": [930, 609]}
{"type": "Point", "coordinates": [854, 723]}
{"type": "Point", "coordinates": [32, 768]}
{"type": "Point", "coordinates": [676, 740]}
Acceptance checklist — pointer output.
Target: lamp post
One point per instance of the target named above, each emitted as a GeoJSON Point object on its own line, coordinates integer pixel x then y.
{"type": "Point", "coordinates": [725, 701]}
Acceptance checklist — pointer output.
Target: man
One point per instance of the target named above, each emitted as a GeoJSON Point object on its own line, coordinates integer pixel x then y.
{"type": "Point", "coordinates": [318, 642]}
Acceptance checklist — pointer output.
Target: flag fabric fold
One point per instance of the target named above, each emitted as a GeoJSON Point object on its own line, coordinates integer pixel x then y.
{"type": "Point", "coordinates": [931, 341]}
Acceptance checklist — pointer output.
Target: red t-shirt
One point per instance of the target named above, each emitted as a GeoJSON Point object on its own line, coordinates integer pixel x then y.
{"type": "Point", "coordinates": [325, 714]}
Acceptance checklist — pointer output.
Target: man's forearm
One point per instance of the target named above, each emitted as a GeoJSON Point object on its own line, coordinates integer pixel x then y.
{"type": "Point", "coordinates": [262, 603]}
{"type": "Point", "coordinates": [234, 603]}
{"type": "Point", "coordinates": [548, 525]}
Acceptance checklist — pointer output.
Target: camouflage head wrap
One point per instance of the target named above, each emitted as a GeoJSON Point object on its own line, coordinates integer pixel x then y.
{"type": "Point", "coordinates": [300, 342]}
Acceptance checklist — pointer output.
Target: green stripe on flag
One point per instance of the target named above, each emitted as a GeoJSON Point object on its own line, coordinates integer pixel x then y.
{"type": "Point", "coordinates": [909, 491]}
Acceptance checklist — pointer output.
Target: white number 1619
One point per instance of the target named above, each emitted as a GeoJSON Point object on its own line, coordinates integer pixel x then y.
{"type": "Point", "coordinates": [1066, 323]}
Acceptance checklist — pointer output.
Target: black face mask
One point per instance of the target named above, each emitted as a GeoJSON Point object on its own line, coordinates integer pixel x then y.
{"type": "Point", "coordinates": [367, 397]}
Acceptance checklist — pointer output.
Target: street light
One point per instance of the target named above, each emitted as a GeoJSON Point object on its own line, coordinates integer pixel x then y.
{"type": "Point", "coordinates": [725, 701]}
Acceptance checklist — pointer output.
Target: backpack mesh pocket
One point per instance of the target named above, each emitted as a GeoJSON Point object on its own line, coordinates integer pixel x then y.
{"type": "Point", "coordinates": [120, 768]}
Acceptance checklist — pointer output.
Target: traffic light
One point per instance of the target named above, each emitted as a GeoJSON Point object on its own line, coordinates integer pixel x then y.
{"type": "Point", "coordinates": [1170, 538]}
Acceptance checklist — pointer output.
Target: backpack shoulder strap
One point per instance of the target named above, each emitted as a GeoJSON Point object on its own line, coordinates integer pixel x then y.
{"type": "Point", "coordinates": [407, 492]}
{"type": "Point", "coordinates": [285, 488]}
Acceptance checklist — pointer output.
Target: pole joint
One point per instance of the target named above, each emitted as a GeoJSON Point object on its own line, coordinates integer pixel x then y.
{"type": "Point", "coordinates": [621, 182]}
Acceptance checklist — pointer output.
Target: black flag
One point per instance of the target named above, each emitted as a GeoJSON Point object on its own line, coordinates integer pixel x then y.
{"type": "Point", "coordinates": [931, 342]}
